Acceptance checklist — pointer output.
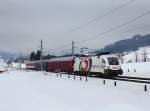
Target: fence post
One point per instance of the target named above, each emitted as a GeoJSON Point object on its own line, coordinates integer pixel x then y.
{"type": "Point", "coordinates": [145, 88]}
{"type": "Point", "coordinates": [80, 78]}
{"type": "Point", "coordinates": [134, 70]}
{"type": "Point", "coordinates": [115, 83]}
{"type": "Point", "coordinates": [74, 77]}
{"type": "Point", "coordinates": [104, 82]}
{"type": "Point", "coordinates": [86, 79]}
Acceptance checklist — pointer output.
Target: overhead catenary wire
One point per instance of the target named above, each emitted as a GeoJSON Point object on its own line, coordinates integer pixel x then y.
{"type": "Point", "coordinates": [96, 19]}
{"type": "Point", "coordinates": [101, 16]}
{"type": "Point", "coordinates": [138, 28]}
{"type": "Point", "coordinates": [126, 32]}
{"type": "Point", "coordinates": [115, 28]}
{"type": "Point", "coordinates": [112, 29]}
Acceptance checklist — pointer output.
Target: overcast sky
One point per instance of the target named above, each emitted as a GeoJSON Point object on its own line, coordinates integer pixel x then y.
{"type": "Point", "coordinates": [23, 23]}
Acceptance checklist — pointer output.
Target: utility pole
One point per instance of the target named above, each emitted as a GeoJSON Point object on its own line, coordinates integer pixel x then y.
{"type": "Point", "coordinates": [20, 60]}
{"type": "Point", "coordinates": [73, 48]}
{"type": "Point", "coordinates": [136, 56]}
{"type": "Point", "coordinates": [145, 55]}
{"type": "Point", "coordinates": [41, 55]}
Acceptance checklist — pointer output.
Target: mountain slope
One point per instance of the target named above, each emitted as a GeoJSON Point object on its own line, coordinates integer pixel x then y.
{"type": "Point", "coordinates": [7, 55]}
{"type": "Point", "coordinates": [129, 44]}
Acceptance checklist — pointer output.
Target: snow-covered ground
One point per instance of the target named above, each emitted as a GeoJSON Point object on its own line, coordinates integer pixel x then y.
{"type": "Point", "coordinates": [141, 69]}
{"type": "Point", "coordinates": [142, 54]}
{"type": "Point", "coordinates": [33, 91]}
{"type": "Point", "coordinates": [2, 65]}
{"type": "Point", "coordinates": [137, 63]}
{"type": "Point", "coordinates": [18, 65]}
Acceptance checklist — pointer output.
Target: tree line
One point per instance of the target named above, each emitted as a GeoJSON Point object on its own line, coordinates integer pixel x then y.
{"type": "Point", "coordinates": [37, 56]}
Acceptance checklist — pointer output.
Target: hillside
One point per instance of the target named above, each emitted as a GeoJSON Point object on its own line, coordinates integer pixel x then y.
{"type": "Point", "coordinates": [7, 55]}
{"type": "Point", "coordinates": [129, 44]}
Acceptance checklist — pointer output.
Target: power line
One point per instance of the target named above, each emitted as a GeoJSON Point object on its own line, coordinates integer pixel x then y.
{"type": "Point", "coordinates": [116, 27]}
{"type": "Point", "coordinates": [102, 16]}
{"type": "Point", "coordinates": [96, 19]}
{"type": "Point", "coordinates": [138, 28]}
{"type": "Point", "coordinates": [148, 28]}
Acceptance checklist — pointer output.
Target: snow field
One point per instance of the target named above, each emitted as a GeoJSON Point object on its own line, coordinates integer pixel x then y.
{"type": "Point", "coordinates": [33, 91]}
{"type": "Point", "coordinates": [136, 69]}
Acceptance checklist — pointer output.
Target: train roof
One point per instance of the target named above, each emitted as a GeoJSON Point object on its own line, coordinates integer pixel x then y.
{"type": "Point", "coordinates": [36, 61]}
{"type": "Point", "coordinates": [71, 58]}
{"type": "Point", "coordinates": [102, 53]}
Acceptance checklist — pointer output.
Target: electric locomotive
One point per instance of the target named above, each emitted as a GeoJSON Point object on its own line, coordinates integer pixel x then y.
{"type": "Point", "coordinates": [101, 65]}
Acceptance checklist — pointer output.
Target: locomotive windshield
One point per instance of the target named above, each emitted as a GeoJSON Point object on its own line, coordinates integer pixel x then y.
{"type": "Point", "coordinates": [113, 61]}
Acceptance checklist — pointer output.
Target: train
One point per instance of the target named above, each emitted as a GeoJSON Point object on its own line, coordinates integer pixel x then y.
{"type": "Point", "coordinates": [85, 65]}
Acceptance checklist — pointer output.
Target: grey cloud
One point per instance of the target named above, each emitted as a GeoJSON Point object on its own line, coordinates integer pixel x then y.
{"type": "Point", "coordinates": [23, 23]}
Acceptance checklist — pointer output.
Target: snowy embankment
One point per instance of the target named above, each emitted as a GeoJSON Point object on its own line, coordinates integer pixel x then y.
{"type": "Point", "coordinates": [137, 69]}
{"type": "Point", "coordinates": [33, 91]}
{"type": "Point", "coordinates": [2, 67]}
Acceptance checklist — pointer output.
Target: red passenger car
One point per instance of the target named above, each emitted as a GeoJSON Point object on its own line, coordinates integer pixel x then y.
{"type": "Point", "coordinates": [63, 64]}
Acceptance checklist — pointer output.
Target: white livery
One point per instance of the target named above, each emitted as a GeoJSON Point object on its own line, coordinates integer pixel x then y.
{"type": "Point", "coordinates": [98, 65]}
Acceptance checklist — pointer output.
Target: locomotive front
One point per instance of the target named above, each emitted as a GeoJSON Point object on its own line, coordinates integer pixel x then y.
{"type": "Point", "coordinates": [111, 65]}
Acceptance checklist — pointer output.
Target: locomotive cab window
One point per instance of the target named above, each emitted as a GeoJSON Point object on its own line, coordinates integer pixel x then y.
{"type": "Point", "coordinates": [103, 61]}
{"type": "Point", "coordinates": [113, 61]}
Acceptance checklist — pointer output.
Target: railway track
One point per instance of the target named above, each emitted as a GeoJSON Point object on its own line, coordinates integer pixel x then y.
{"type": "Point", "coordinates": [124, 78]}
{"type": "Point", "coordinates": [130, 79]}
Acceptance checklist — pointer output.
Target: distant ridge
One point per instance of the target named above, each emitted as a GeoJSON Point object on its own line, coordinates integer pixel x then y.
{"type": "Point", "coordinates": [128, 44]}
{"type": "Point", "coordinates": [7, 55]}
